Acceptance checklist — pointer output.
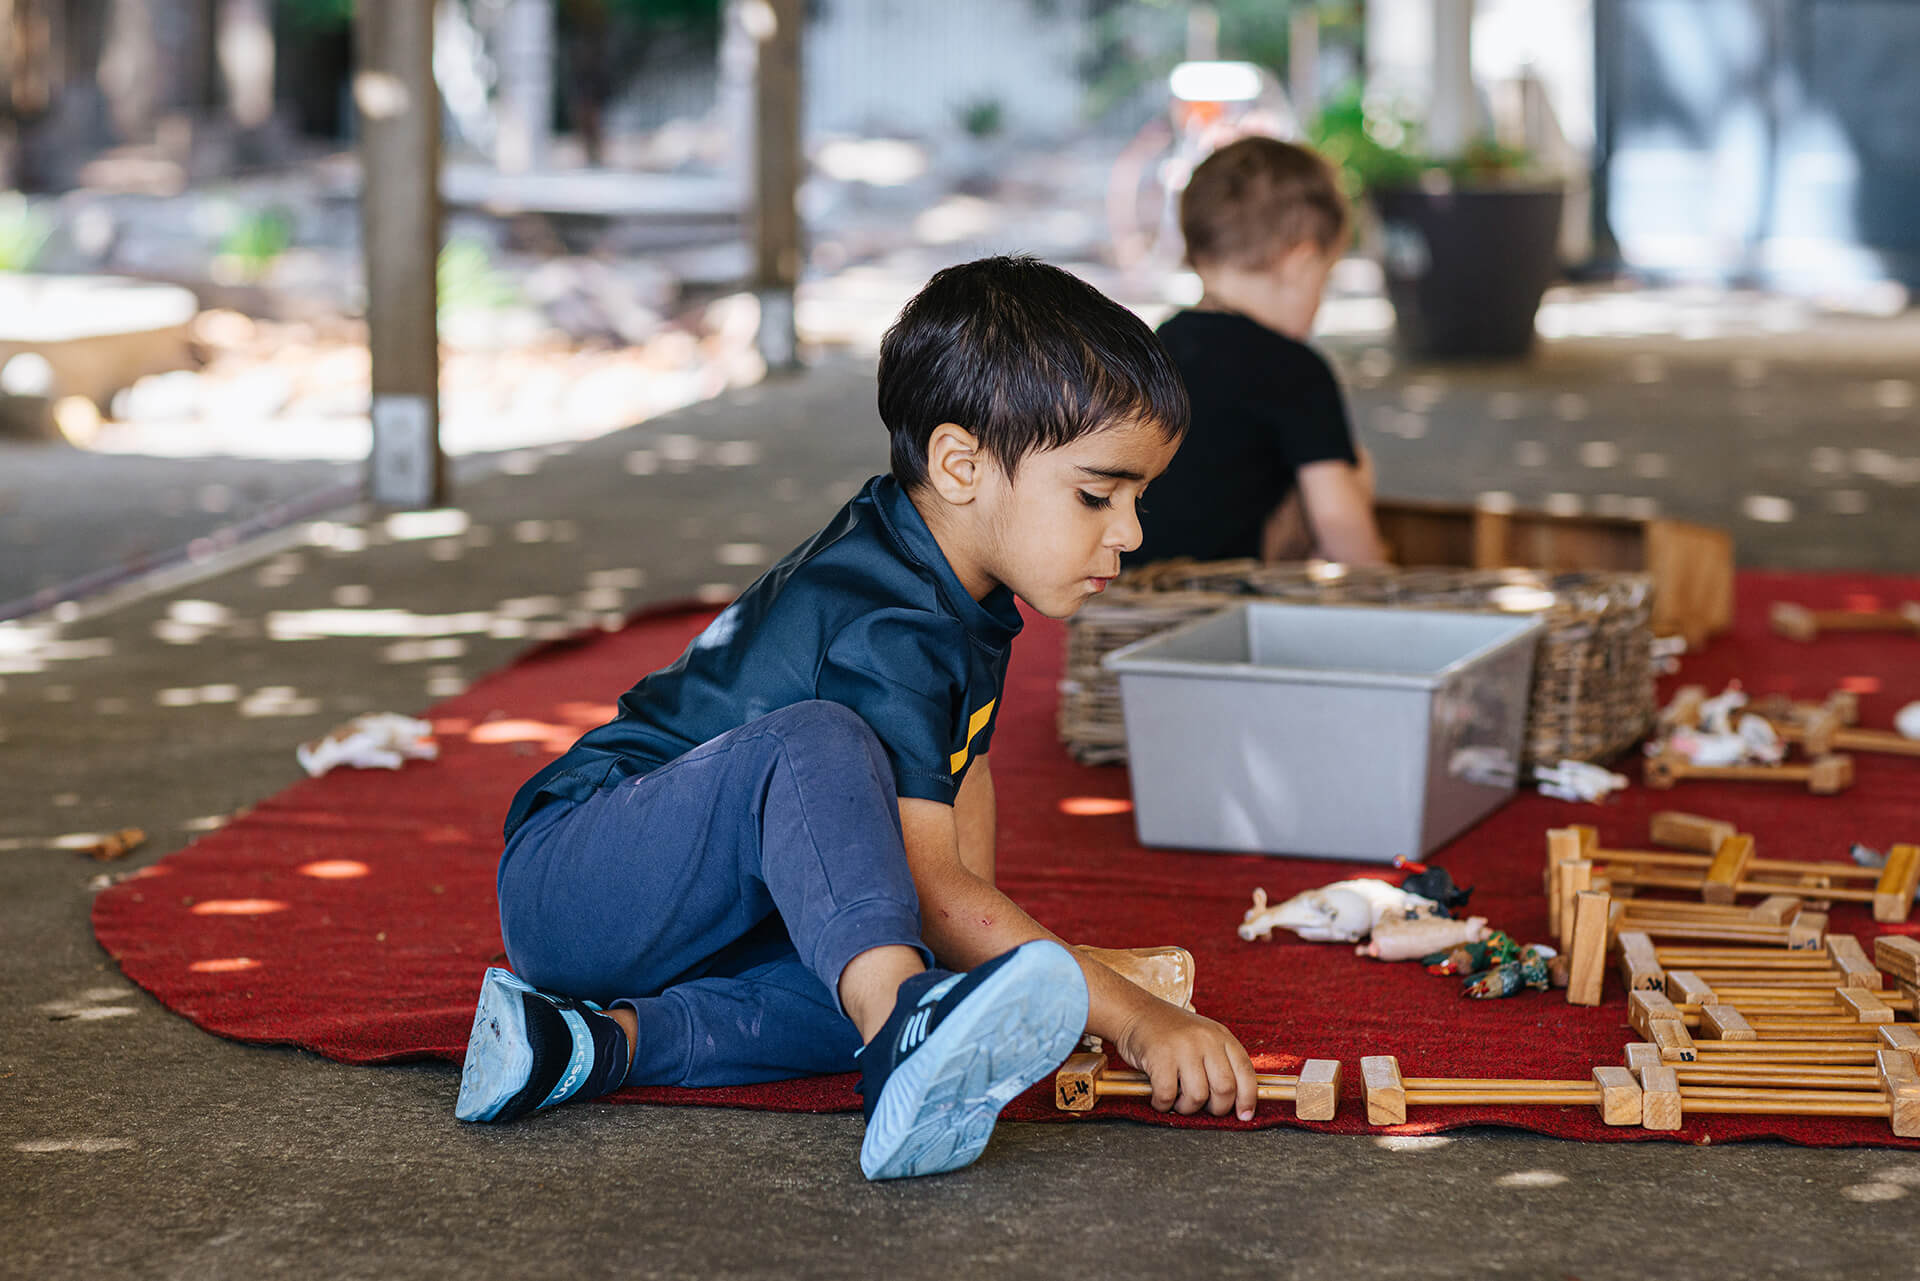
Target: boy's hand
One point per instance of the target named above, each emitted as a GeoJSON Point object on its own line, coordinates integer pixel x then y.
{"type": "Point", "coordinates": [1193, 1062]}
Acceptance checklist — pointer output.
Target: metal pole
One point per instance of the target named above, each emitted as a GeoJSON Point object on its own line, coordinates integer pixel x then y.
{"type": "Point", "coordinates": [399, 110]}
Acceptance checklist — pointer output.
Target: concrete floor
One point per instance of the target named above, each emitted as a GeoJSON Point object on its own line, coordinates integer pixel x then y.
{"type": "Point", "coordinates": [131, 1144]}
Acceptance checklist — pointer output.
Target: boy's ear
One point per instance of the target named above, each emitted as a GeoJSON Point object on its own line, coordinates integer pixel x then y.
{"type": "Point", "coordinates": [955, 463]}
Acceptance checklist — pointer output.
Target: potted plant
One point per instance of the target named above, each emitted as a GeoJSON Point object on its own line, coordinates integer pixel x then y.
{"type": "Point", "coordinates": [1468, 242]}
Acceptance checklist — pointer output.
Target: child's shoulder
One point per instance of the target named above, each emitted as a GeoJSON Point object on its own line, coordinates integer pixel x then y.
{"type": "Point", "coordinates": [1231, 338]}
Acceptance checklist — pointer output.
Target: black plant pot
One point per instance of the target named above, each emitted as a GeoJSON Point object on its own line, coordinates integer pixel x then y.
{"type": "Point", "coordinates": [1465, 268]}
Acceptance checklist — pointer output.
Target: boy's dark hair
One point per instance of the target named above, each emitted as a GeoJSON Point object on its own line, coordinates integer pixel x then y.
{"type": "Point", "coordinates": [1253, 200]}
{"type": "Point", "coordinates": [1026, 357]}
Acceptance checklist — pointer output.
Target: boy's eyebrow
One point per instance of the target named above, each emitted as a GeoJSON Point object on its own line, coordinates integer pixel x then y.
{"type": "Point", "coordinates": [1111, 473]}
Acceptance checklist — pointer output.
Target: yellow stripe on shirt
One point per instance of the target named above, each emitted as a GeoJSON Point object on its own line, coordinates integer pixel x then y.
{"type": "Point", "coordinates": [976, 723]}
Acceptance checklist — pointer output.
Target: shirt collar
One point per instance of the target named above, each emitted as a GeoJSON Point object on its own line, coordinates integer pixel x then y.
{"type": "Point", "coordinates": [993, 622]}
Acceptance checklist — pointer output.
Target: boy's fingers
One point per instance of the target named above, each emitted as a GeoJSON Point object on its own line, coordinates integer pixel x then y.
{"type": "Point", "coordinates": [1166, 1089]}
{"type": "Point", "coordinates": [1247, 1086]}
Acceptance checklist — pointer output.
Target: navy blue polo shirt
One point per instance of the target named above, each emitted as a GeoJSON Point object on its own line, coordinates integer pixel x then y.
{"type": "Point", "coordinates": [866, 613]}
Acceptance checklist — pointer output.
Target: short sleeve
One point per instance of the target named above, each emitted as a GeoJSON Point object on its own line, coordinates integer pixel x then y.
{"type": "Point", "coordinates": [1311, 413]}
{"type": "Point", "coordinates": [903, 672]}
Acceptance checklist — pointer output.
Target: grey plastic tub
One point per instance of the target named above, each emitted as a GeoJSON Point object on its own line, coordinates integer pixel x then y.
{"type": "Point", "coordinates": [1331, 731]}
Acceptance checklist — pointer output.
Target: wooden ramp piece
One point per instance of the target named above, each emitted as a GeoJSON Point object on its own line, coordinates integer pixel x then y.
{"type": "Point", "coordinates": [1893, 894]}
{"type": "Point", "coordinates": [1728, 869]}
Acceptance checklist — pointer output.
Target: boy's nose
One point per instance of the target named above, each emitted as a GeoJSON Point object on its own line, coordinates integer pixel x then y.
{"type": "Point", "coordinates": [1124, 533]}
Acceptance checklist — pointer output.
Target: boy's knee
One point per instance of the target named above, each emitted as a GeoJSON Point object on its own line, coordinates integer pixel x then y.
{"type": "Point", "coordinates": [823, 726]}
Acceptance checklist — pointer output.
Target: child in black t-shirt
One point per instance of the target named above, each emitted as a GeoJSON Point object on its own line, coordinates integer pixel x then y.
{"type": "Point", "coordinates": [1269, 467]}
{"type": "Point", "coordinates": [750, 872]}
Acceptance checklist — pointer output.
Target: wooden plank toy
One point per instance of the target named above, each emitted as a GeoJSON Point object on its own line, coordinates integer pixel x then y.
{"type": "Point", "coordinates": [1612, 1090]}
{"type": "Point", "coordinates": [1085, 1078]}
{"type": "Point", "coordinates": [1670, 1090]}
{"type": "Point", "coordinates": [1898, 955]}
{"type": "Point", "coordinates": [1824, 776]}
{"type": "Point", "coordinates": [1797, 622]}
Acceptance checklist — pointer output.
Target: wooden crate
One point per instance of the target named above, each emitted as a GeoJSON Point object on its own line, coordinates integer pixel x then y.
{"type": "Point", "coordinates": [1691, 565]}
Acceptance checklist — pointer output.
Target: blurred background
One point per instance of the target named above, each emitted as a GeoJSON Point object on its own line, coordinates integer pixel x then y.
{"type": "Point", "coordinates": [636, 205]}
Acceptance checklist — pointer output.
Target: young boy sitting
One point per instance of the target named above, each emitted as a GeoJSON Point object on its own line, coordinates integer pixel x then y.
{"type": "Point", "coordinates": [749, 872]}
{"type": "Point", "coordinates": [1269, 468]}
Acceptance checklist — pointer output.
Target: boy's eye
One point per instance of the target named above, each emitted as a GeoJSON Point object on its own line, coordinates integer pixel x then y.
{"type": "Point", "coordinates": [1095, 501]}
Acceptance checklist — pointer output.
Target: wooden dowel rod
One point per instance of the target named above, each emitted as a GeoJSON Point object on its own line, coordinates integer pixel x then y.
{"type": "Point", "coordinates": [1651, 858]}
{"type": "Point", "coordinates": [1259, 1078]}
{"type": "Point", "coordinates": [1729, 958]}
{"type": "Point", "coordinates": [1105, 1086]}
{"type": "Point", "coordinates": [1490, 1082]}
{"type": "Point", "coordinates": [1564, 1098]}
{"type": "Point", "coordinates": [1813, 869]}
{"type": "Point", "coordinates": [1837, 892]}
{"type": "Point", "coordinates": [1750, 1107]}
{"type": "Point", "coordinates": [1688, 1092]}
{"type": "Point", "coordinates": [1756, 1047]}
{"type": "Point", "coordinates": [1865, 1078]}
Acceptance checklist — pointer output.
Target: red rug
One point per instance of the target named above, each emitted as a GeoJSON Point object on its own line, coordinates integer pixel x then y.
{"type": "Point", "coordinates": [352, 915]}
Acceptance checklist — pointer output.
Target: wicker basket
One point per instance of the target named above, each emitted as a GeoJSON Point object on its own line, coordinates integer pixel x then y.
{"type": "Point", "coordinates": [1592, 695]}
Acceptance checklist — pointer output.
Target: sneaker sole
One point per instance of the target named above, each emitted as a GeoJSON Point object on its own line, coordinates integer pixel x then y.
{"type": "Point", "coordinates": [499, 1057]}
{"type": "Point", "coordinates": [940, 1106]}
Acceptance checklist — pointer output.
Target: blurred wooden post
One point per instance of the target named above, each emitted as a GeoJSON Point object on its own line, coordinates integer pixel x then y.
{"type": "Point", "coordinates": [778, 161]}
{"type": "Point", "coordinates": [399, 110]}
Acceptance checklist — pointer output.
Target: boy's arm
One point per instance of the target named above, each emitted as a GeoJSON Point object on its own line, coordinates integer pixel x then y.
{"type": "Point", "coordinates": [1194, 1062]}
{"type": "Point", "coordinates": [1338, 497]}
{"type": "Point", "coordinates": [974, 817]}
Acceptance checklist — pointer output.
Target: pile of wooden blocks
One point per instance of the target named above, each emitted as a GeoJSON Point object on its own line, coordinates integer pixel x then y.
{"type": "Point", "coordinates": [1754, 1010]}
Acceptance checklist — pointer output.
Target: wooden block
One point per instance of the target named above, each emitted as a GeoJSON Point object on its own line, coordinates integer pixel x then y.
{"type": "Point", "coordinates": [1806, 930]}
{"type": "Point", "coordinates": [1866, 1007]}
{"type": "Point", "coordinates": [1619, 1096]}
{"type": "Point", "coordinates": [1901, 1080]}
{"type": "Point", "coordinates": [1663, 771]}
{"type": "Point", "coordinates": [1795, 622]}
{"type": "Point", "coordinates": [1644, 1009]}
{"type": "Point", "coordinates": [1073, 1084]}
{"type": "Point", "coordinates": [1684, 707]}
{"type": "Point", "coordinates": [1639, 966]}
{"type": "Point", "coordinates": [1775, 909]}
{"type": "Point", "coordinates": [1893, 894]}
{"type": "Point", "coordinates": [1728, 869]}
{"type": "Point", "coordinates": [1901, 1036]}
{"type": "Point", "coordinates": [1563, 843]}
{"type": "Point", "coordinates": [1724, 1023]}
{"type": "Point", "coordinates": [1681, 831]}
{"type": "Point", "coordinates": [1675, 1042]}
{"type": "Point", "coordinates": [1660, 1106]}
{"type": "Point", "coordinates": [1386, 1096]}
{"type": "Point", "coordinates": [1898, 954]}
{"type": "Point", "coordinates": [1642, 1055]}
{"type": "Point", "coordinates": [1684, 987]}
{"type": "Point", "coordinates": [1576, 877]}
{"type": "Point", "coordinates": [1316, 1094]}
{"type": "Point", "coordinates": [1589, 957]}
{"type": "Point", "coordinates": [1850, 958]}
{"type": "Point", "coordinates": [1830, 774]}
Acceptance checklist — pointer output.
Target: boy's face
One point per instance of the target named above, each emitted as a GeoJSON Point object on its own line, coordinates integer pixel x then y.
{"type": "Point", "coordinates": [1053, 531]}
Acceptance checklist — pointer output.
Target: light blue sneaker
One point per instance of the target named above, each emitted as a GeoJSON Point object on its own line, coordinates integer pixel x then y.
{"type": "Point", "coordinates": [530, 1049]}
{"type": "Point", "coordinates": [957, 1049]}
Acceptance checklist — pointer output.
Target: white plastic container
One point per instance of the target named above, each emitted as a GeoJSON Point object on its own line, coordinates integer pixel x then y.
{"type": "Point", "coordinates": [1349, 732]}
